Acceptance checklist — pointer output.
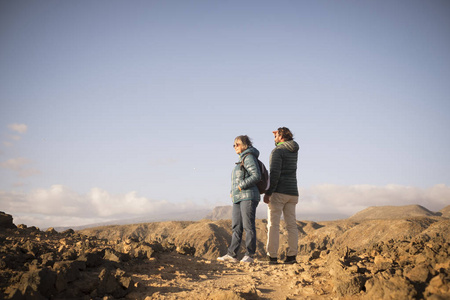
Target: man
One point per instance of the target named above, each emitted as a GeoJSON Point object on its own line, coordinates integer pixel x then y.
{"type": "Point", "coordinates": [282, 195]}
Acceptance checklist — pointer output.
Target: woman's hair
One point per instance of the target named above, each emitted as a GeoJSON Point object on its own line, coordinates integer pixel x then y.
{"type": "Point", "coordinates": [285, 133]}
{"type": "Point", "coordinates": [245, 140]}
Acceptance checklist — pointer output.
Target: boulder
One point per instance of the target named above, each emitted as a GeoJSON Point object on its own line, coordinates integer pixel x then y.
{"type": "Point", "coordinates": [439, 287]}
{"type": "Point", "coordinates": [6, 221]}
{"type": "Point", "coordinates": [346, 281]}
{"type": "Point", "coordinates": [66, 272]}
{"type": "Point", "coordinates": [113, 282]}
{"type": "Point", "coordinates": [35, 284]}
{"type": "Point", "coordinates": [384, 285]}
{"type": "Point", "coordinates": [420, 273]}
{"type": "Point", "coordinates": [382, 263]}
{"type": "Point", "coordinates": [92, 259]}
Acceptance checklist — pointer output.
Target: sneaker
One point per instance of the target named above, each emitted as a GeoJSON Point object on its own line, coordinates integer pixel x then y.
{"type": "Point", "coordinates": [273, 260]}
{"type": "Point", "coordinates": [247, 259]}
{"type": "Point", "coordinates": [290, 260]}
{"type": "Point", "coordinates": [227, 257]}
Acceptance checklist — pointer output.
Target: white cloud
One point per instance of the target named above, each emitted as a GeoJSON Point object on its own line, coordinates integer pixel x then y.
{"type": "Point", "coordinates": [59, 205]}
{"type": "Point", "coordinates": [349, 200]}
{"type": "Point", "coordinates": [20, 166]}
{"type": "Point", "coordinates": [20, 128]}
{"type": "Point", "coordinates": [128, 204]}
{"type": "Point", "coordinates": [15, 164]}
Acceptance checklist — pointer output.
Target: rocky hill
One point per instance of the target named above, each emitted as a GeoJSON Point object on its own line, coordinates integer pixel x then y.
{"type": "Point", "coordinates": [392, 212]}
{"type": "Point", "coordinates": [445, 212]}
{"type": "Point", "coordinates": [388, 258]}
{"type": "Point", "coordinates": [224, 213]}
{"type": "Point", "coordinates": [220, 213]}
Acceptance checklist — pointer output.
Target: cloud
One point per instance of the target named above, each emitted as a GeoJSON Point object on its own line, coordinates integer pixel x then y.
{"type": "Point", "coordinates": [20, 128]}
{"type": "Point", "coordinates": [61, 206]}
{"type": "Point", "coordinates": [15, 164]}
{"type": "Point", "coordinates": [349, 200]}
{"type": "Point", "coordinates": [20, 166]}
{"type": "Point", "coordinates": [129, 204]}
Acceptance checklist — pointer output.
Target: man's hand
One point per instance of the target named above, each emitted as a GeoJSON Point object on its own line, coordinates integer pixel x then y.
{"type": "Point", "coordinates": [266, 199]}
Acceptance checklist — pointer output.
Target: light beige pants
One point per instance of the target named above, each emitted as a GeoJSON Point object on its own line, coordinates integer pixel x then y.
{"type": "Point", "coordinates": [282, 203]}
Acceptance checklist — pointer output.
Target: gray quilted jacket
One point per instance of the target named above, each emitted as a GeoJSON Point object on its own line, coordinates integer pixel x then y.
{"type": "Point", "coordinates": [283, 169]}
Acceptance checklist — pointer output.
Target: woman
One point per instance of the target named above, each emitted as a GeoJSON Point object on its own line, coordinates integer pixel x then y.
{"type": "Point", "coordinates": [245, 196]}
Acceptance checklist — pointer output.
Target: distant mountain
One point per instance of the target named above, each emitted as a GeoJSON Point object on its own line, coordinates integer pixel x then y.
{"type": "Point", "coordinates": [224, 213]}
{"type": "Point", "coordinates": [392, 212]}
{"type": "Point", "coordinates": [220, 213]}
{"type": "Point", "coordinates": [182, 216]}
{"type": "Point", "coordinates": [321, 217]}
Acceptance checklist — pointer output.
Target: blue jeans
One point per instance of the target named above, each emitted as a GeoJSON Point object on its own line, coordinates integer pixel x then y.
{"type": "Point", "coordinates": [243, 218]}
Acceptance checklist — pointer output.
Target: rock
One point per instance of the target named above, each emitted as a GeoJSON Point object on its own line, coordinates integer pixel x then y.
{"type": "Point", "coordinates": [382, 263]}
{"type": "Point", "coordinates": [51, 230]}
{"type": "Point", "coordinates": [353, 269]}
{"type": "Point", "coordinates": [6, 221]}
{"type": "Point", "coordinates": [345, 282]}
{"type": "Point", "coordinates": [439, 286]}
{"type": "Point", "coordinates": [48, 259]}
{"type": "Point", "coordinates": [66, 272]}
{"type": "Point", "coordinates": [420, 273]}
{"type": "Point", "coordinates": [314, 255]}
{"type": "Point", "coordinates": [143, 250]}
{"type": "Point", "coordinates": [68, 232]}
{"type": "Point", "coordinates": [225, 295]}
{"type": "Point", "coordinates": [185, 250]}
{"type": "Point", "coordinates": [32, 248]}
{"type": "Point", "coordinates": [110, 285]}
{"type": "Point", "coordinates": [69, 254]}
{"type": "Point", "coordinates": [36, 284]}
{"type": "Point", "coordinates": [112, 255]}
{"type": "Point", "coordinates": [383, 285]}
{"type": "Point", "coordinates": [250, 292]}
{"type": "Point", "coordinates": [92, 260]}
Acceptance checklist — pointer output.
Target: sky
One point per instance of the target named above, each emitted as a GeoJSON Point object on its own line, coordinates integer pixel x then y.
{"type": "Point", "coordinates": [121, 109]}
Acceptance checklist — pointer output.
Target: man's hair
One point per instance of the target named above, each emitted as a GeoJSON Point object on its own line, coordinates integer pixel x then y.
{"type": "Point", "coordinates": [245, 140]}
{"type": "Point", "coordinates": [285, 133]}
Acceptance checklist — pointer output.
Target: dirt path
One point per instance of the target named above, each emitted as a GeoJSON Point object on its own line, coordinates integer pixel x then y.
{"type": "Point", "coordinates": [175, 276]}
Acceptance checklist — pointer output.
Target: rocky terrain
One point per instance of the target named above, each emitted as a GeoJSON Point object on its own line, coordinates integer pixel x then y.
{"type": "Point", "coordinates": [379, 253]}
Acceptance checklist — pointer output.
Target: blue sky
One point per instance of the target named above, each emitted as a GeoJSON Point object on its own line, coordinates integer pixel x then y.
{"type": "Point", "coordinates": [117, 109]}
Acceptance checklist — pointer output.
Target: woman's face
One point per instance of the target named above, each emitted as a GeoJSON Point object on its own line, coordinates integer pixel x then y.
{"type": "Point", "coordinates": [277, 137]}
{"type": "Point", "coordinates": [238, 147]}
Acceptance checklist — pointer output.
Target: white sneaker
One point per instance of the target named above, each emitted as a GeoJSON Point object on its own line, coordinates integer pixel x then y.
{"type": "Point", "coordinates": [247, 259]}
{"type": "Point", "coordinates": [227, 258]}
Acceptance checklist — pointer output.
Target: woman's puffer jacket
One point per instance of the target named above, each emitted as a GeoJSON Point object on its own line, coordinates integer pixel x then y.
{"type": "Point", "coordinates": [246, 178]}
{"type": "Point", "coordinates": [283, 169]}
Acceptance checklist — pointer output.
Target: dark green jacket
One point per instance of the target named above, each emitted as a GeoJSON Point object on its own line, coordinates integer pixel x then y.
{"type": "Point", "coordinates": [246, 178]}
{"type": "Point", "coordinates": [283, 169]}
